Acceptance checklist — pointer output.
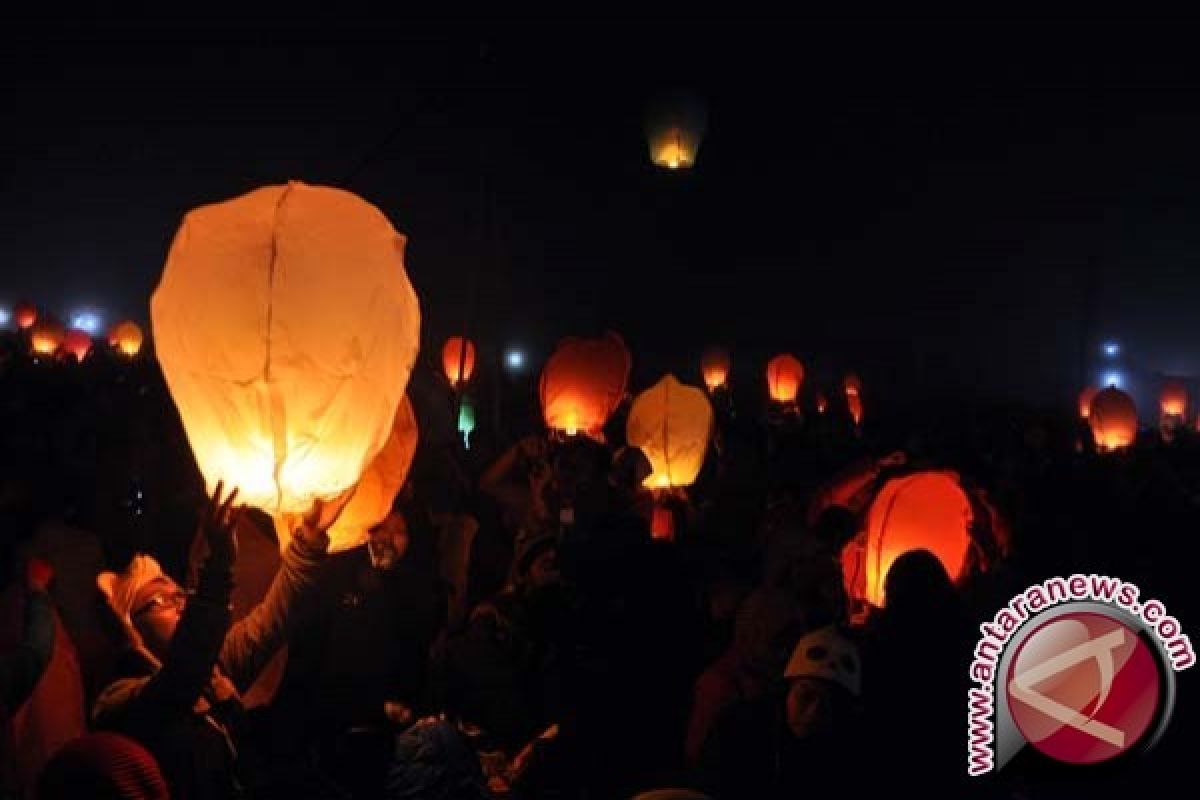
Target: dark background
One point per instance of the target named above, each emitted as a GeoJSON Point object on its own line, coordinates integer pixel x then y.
{"type": "Point", "coordinates": [941, 206]}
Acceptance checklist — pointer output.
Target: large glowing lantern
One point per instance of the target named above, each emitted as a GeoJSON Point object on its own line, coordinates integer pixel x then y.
{"type": "Point", "coordinates": [1085, 401]}
{"type": "Point", "coordinates": [675, 127]}
{"type": "Point", "coordinates": [1113, 419]}
{"type": "Point", "coordinates": [126, 338]}
{"type": "Point", "coordinates": [583, 382]}
{"type": "Point", "coordinates": [25, 315]}
{"type": "Point", "coordinates": [376, 491]}
{"type": "Point", "coordinates": [671, 423]}
{"type": "Point", "coordinates": [714, 367]}
{"type": "Point", "coordinates": [785, 376]}
{"type": "Point", "coordinates": [46, 337]}
{"type": "Point", "coordinates": [77, 343]}
{"type": "Point", "coordinates": [286, 328]}
{"type": "Point", "coordinates": [458, 360]}
{"type": "Point", "coordinates": [923, 511]}
{"type": "Point", "coordinates": [1174, 399]}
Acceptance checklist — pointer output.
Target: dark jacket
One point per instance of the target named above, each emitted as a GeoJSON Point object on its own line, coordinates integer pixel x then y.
{"type": "Point", "coordinates": [170, 710]}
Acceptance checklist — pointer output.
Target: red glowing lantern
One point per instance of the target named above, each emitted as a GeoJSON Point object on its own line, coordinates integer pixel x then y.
{"type": "Point", "coordinates": [1174, 399]}
{"type": "Point", "coordinates": [854, 404]}
{"type": "Point", "coordinates": [1085, 401]}
{"type": "Point", "coordinates": [822, 403]}
{"type": "Point", "coordinates": [25, 315]}
{"type": "Point", "coordinates": [785, 376]}
{"type": "Point", "coordinates": [46, 337]}
{"type": "Point", "coordinates": [1113, 419]}
{"type": "Point", "coordinates": [852, 385]}
{"type": "Point", "coordinates": [924, 511]}
{"type": "Point", "coordinates": [77, 343]}
{"type": "Point", "coordinates": [458, 360]}
{"type": "Point", "coordinates": [714, 366]}
{"type": "Point", "coordinates": [583, 382]}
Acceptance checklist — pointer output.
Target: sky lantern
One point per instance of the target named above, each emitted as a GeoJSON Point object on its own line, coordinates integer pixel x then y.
{"type": "Point", "coordinates": [375, 493]}
{"type": "Point", "coordinates": [466, 421]}
{"type": "Point", "coordinates": [675, 127]}
{"type": "Point", "coordinates": [46, 337]}
{"type": "Point", "coordinates": [714, 366]}
{"type": "Point", "coordinates": [24, 315]}
{"type": "Point", "coordinates": [1173, 400]}
{"type": "Point", "coordinates": [854, 405]}
{"type": "Point", "coordinates": [458, 360]}
{"type": "Point", "coordinates": [671, 423]}
{"type": "Point", "coordinates": [1085, 401]}
{"type": "Point", "coordinates": [77, 343]}
{"type": "Point", "coordinates": [286, 328]}
{"type": "Point", "coordinates": [126, 338]}
{"type": "Point", "coordinates": [923, 511]}
{"type": "Point", "coordinates": [583, 382]}
{"type": "Point", "coordinates": [1113, 419]}
{"type": "Point", "coordinates": [785, 376]}
{"type": "Point", "coordinates": [852, 385]}
{"type": "Point", "coordinates": [822, 403]}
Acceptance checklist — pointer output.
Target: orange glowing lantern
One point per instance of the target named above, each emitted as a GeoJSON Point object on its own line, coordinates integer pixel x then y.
{"type": "Point", "coordinates": [675, 128]}
{"type": "Point", "coordinates": [25, 315]}
{"type": "Point", "coordinates": [822, 403]}
{"type": "Point", "coordinates": [671, 423]}
{"type": "Point", "coordinates": [583, 382]}
{"type": "Point", "coordinates": [458, 360]}
{"type": "Point", "coordinates": [47, 336]}
{"type": "Point", "coordinates": [785, 376]}
{"type": "Point", "coordinates": [852, 385]}
{"type": "Point", "coordinates": [714, 366]}
{"type": "Point", "coordinates": [924, 511]}
{"type": "Point", "coordinates": [1085, 401]}
{"type": "Point", "coordinates": [1113, 419]}
{"type": "Point", "coordinates": [126, 338]}
{"type": "Point", "coordinates": [286, 328]}
{"type": "Point", "coordinates": [77, 343]}
{"type": "Point", "coordinates": [376, 491]}
{"type": "Point", "coordinates": [1174, 399]}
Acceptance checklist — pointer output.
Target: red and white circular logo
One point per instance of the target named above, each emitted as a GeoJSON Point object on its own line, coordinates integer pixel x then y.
{"type": "Point", "coordinates": [1084, 688]}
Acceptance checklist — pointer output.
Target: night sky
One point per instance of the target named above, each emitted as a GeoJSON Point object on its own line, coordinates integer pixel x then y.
{"type": "Point", "coordinates": [935, 205]}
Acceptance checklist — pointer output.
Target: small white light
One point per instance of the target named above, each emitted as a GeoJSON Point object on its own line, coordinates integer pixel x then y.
{"type": "Point", "coordinates": [515, 359]}
{"type": "Point", "coordinates": [88, 321]}
{"type": "Point", "coordinates": [5, 316]}
{"type": "Point", "coordinates": [1111, 349]}
{"type": "Point", "coordinates": [1113, 379]}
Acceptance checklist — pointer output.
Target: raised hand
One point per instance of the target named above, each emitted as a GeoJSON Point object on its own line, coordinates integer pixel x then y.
{"type": "Point", "coordinates": [320, 517]}
{"type": "Point", "coordinates": [218, 525]}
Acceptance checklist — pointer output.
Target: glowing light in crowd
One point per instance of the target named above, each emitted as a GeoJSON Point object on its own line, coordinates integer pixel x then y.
{"type": "Point", "coordinates": [87, 321]}
{"type": "Point", "coordinates": [1113, 379]}
{"type": "Point", "coordinates": [5, 316]}
{"type": "Point", "coordinates": [1112, 349]}
{"type": "Point", "coordinates": [515, 359]}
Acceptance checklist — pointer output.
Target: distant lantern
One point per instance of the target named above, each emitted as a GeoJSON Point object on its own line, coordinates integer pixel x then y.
{"type": "Point", "coordinates": [77, 343]}
{"type": "Point", "coordinates": [1113, 419]}
{"type": "Point", "coordinates": [25, 315]}
{"type": "Point", "coordinates": [1174, 399]}
{"type": "Point", "coordinates": [46, 337]}
{"type": "Point", "coordinates": [785, 376]}
{"type": "Point", "coordinates": [822, 403]}
{"type": "Point", "coordinates": [671, 423]}
{"type": "Point", "coordinates": [582, 384]}
{"type": "Point", "coordinates": [714, 367]}
{"type": "Point", "coordinates": [286, 328]}
{"type": "Point", "coordinates": [675, 127]}
{"type": "Point", "coordinates": [126, 338]}
{"type": "Point", "coordinates": [376, 490]}
{"type": "Point", "coordinates": [458, 360]}
{"type": "Point", "coordinates": [854, 405]}
{"type": "Point", "coordinates": [852, 385]}
{"type": "Point", "coordinates": [466, 421]}
{"type": "Point", "coordinates": [1085, 401]}
{"type": "Point", "coordinates": [924, 511]}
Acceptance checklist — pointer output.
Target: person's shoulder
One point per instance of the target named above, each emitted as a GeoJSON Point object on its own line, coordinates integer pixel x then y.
{"type": "Point", "coordinates": [116, 697]}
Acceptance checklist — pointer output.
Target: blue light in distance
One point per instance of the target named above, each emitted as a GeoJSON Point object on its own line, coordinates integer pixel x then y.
{"type": "Point", "coordinates": [1112, 349]}
{"type": "Point", "coordinates": [515, 359]}
{"type": "Point", "coordinates": [88, 321]}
